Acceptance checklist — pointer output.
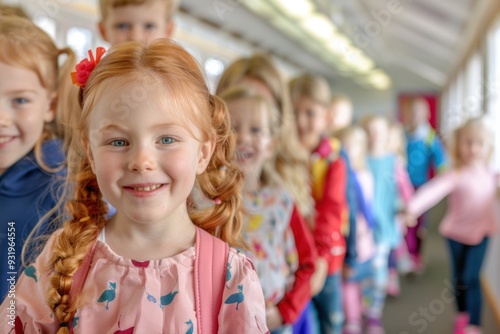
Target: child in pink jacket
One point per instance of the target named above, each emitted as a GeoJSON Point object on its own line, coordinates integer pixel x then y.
{"type": "Point", "coordinates": [470, 218]}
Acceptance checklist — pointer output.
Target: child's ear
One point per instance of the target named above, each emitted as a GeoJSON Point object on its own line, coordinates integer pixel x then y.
{"type": "Point", "coordinates": [329, 115]}
{"type": "Point", "coordinates": [102, 30]}
{"type": "Point", "coordinates": [204, 155]}
{"type": "Point", "coordinates": [50, 114]}
{"type": "Point", "coordinates": [170, 30]}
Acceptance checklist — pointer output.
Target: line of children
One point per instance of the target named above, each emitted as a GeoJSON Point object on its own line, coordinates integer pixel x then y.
{"type": "Point", "coordinates": [32, 162]}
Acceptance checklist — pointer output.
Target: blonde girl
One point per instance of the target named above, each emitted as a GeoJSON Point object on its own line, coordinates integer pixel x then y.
{"type": "Point", "coordinates": [282, 249]}
{"type": "Point", "coordinates": [311, 99]}
{"type": "Point", "coordinates": [470, 218]}
{"type": "Point", "coordinates": [31, 158]}
{"type": "Point", "coordinates": [150, 130]}
{"type": "Point", "coordinates": [259, 73]}
{"type": "Point", "coordinates": [386, 169]}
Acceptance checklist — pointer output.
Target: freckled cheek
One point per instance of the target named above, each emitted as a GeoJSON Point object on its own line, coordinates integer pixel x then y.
{"type": "Point", "coordinates": [180, 165]}
{"type": "Point", "coordinates": [106, 168]}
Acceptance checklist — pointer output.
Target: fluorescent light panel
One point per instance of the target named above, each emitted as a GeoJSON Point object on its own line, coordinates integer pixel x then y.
{"type": "Point", "coordinates": [300, 20]}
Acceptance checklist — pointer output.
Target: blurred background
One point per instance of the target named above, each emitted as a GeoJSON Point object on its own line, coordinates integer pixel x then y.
{"type": "Point", "coordinates": [380, 53]}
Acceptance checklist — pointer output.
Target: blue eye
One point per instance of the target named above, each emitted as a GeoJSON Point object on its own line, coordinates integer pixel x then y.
{"type": "Point", "coordinates": [150, 26]}
{"type": "Point", "coordinates": [256, 130]}
{"type": "Point", "coordinates": [20, 100]}
{"type": "Point", "coordinates": [167, 140]}
{"type": "Point", "coordinates": [118, 143]}
{"type": "Point", "coordinates": [122, 26]}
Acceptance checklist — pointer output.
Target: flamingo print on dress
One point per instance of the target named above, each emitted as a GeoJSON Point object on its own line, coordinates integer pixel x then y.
{"type": "Point", "coordinates": [169, 297]}
{"type": "Point", "coordinates": [151, 298]}
{"type": "Point", "coordinates": [191, 327]}
{"type": "Point", "coordinates": [30, 271]}
{"type": "Point", "coordinates": [237, 297]}
{"type": "Point", "coordinates": [108, 295]}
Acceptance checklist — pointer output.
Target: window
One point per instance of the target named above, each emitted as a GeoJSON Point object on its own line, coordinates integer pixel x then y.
{"type": "Point", "coordinates": [46, 24]}
{"type": "Point", "coordinates": [80, 40]}
{"type": "Point", "coordinates": [493, 85]}
{"type": "Point", "coordinates": [473, 98]}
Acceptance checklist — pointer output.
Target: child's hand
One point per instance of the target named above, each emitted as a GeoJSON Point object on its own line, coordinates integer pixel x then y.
{"type": "Point", "coordinates": [409, 219]}
{"type": "Point", "coordinates": [347, 271]}
{"type": "Point", "coordinates": [273, 317]}
{"type": "Point", "coordinates": [319, 277]}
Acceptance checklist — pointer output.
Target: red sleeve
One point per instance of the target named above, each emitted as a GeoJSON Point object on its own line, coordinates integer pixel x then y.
{"type": "Point", "coordinates": [331, 211]}
{"type": "Point", "coordinates": [295, 299]}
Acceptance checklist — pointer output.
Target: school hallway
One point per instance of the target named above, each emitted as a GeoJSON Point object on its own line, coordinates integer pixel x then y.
{"type": "Point", "coordinates": [425, 306]}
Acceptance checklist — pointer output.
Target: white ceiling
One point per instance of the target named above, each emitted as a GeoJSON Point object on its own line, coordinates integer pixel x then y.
{"type": "Point", "coordinates": [416, 46]}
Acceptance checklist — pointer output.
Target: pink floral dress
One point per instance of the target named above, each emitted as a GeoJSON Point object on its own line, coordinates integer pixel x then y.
{"type": "Point", "coordinates": [125, 296]}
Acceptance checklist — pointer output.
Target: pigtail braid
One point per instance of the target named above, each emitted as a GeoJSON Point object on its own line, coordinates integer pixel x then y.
{"type": "Point", "coordinates": [88, 212]}
{"type": "Point", "coordinates": [222, 180]}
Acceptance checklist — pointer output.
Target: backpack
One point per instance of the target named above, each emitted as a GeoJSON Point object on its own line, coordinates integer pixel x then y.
{"type": "Point", "coordinates": [210, 266]}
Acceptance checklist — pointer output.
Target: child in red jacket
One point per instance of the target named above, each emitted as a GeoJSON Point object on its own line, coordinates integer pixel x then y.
{"type": "Point", "coordinates": [311, 98]}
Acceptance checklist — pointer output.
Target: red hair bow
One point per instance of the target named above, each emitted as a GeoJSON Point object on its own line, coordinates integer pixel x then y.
{"type": "Point", "coordinates": [86, 66]}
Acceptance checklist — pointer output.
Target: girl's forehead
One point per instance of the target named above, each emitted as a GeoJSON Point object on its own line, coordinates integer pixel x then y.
{"type": "Point", "coordinates": [259, 86]}
{"type": "Point", "coordinates": [249, 108]}
{"type": "Point", "coordinates": [378, 123]}
{"type": "Point", "coordinates": [121, 98]}
{"type": "Point", "coordinates": [475, 132]}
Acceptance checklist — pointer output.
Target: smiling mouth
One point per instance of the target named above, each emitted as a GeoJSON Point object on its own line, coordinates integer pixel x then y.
{"type": "Point", "coordinates": [5, 139]}
{"type": "Point", "coordinates": [146, 189]}
{"type": "Point", "coordinates": [242, 155]}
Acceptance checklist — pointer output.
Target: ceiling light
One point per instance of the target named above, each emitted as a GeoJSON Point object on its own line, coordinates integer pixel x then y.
{"type": "Point", "coordinates": [358, 61]}
{"type": "Point", "coordinates": [295, 8]}
{"type": "Point", "coordinates": [339, 44]}
{"type": "Point", "coordinates": [261, 7]}
{"type": "Point", "coordinates": [319, 26]}
{"type": "Point", "coordinates": [379, 79]}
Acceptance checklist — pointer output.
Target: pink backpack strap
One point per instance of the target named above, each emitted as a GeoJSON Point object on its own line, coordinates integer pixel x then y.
{"type": "Point", "coordinates": [209, 278]}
